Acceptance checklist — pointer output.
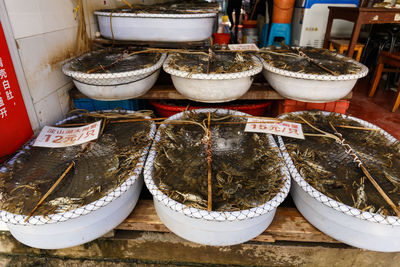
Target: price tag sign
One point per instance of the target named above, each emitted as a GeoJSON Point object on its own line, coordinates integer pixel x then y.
{"type": "Point", "coordinates": [243, 47]}
{"type": "Point", "coordinates": [63, 137]}
{"type": "Point", "coordinates": [284, 128]}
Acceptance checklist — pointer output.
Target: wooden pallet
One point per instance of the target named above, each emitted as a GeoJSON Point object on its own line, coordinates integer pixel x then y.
{"type": "Point", "coordinates": [288, 225]}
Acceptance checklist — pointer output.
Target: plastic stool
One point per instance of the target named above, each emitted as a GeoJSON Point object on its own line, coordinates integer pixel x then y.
{"type": "Point", "coordinates": [343, 45]}
{"type": "Point", "coordinates": [279, 30]}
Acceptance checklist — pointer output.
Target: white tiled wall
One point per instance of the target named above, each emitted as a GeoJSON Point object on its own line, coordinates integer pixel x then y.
{"type": "Point", "coordinates": [25, 17]}
{"type": "Point", "coordinates": [45, 32]}
{"type": "Point", "coordinates": [48, 109]}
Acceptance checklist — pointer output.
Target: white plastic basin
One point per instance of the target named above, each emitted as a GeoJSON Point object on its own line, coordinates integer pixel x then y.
{"type": "Point", "coordinates": [212, 88]}
{"type": "Point", "coordinates": [115, 86]}
{"type": "Point", "coordinates": [311, 87]}
{"type": "Point", "coordinates": [156, 27]}
{"type": "Point", "coordinates": [344, 223]}
{"type": "Point", "coordinates": [118, 92]}
{"type": "Point", "coordinates": [212, 228]}
{"type": "Point", "coordinates": [82, 229]}
{"type": "Point", "coordinates": [84, 224]}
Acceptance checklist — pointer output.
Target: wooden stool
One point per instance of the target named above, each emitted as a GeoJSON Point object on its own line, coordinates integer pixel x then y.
{"type": "Point", "coordinates": [342, 45]}
{"type": "Point", "coordinates": [392, 59]}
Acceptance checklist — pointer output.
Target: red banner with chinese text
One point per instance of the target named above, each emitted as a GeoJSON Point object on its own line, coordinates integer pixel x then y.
{"type": "Point", "coordinates": [15, 128]}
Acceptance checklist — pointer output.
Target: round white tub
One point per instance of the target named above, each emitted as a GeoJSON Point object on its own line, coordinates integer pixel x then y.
{"type": "Point", "coordinates": [212, 228]}
{"type": "Point", "coordinates": [212, 88]}
{"type": "Point", "coordinates": [82, 229]}
{"type": "Point", "coordinates": [344, 223]}
{"type": "Point", "coordinates": [310, 87]}
{"type": "Point", "coordinates": [114, 86]}
{"type": "Point", "coordinates": [84, 224]}
{"type": "Point", "coordinates": [156, 27]}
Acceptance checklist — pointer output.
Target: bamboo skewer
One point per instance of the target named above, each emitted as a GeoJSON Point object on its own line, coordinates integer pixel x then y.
{"type": "Point", "coordinates": [57, 182]}
{"type": "Point", "coordinates": [316, 63]}
{"type": "Point", "coordinates": [128, 4]}
{"type": "Point", "coordinates": [312, 61]}
{"type": "Point", "coordinates": [50, 190]}
{"type": "Point", "coordinates": [101, 67]}
{"type": "Point", "coordinates": [356, 159]}
{"type": "Point", "coordinates": [357, 128]}
{"type": "Point", "coordinates": [209, 202]}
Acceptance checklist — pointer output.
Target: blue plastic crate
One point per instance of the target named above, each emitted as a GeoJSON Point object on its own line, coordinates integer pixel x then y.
{"type": "Point", "coordinates": [94, 105]}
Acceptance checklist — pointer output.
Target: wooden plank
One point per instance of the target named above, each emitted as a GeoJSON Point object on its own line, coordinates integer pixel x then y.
{"type": "Point", "coordinates": [288, 225]}
{"type": "Point", "coordinates": [166, 249]}
{"type": "Point", "coordinates": [256, 92]}
{"type": "Point", "coordinates": [143, 218]}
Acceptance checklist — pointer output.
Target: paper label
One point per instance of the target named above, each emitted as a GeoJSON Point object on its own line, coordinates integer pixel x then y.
{"type": "Point", "coordinates": [63, 137]}
{"type": "Point", "coordinates": [397, 17]}
{"type": "Point", "coordinates": [284, 128]}
{"type": "Point", "coordinates": [243, 47]}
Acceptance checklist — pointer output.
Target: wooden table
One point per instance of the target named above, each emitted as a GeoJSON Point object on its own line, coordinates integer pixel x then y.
{"type": "Point", "coordinates": [359, 16]}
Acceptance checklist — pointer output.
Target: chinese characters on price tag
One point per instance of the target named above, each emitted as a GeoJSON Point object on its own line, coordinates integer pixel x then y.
{"type": "Point", "coordinates": [62, 137]}
{"type": "Point", "coordinates": [284, 128]}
